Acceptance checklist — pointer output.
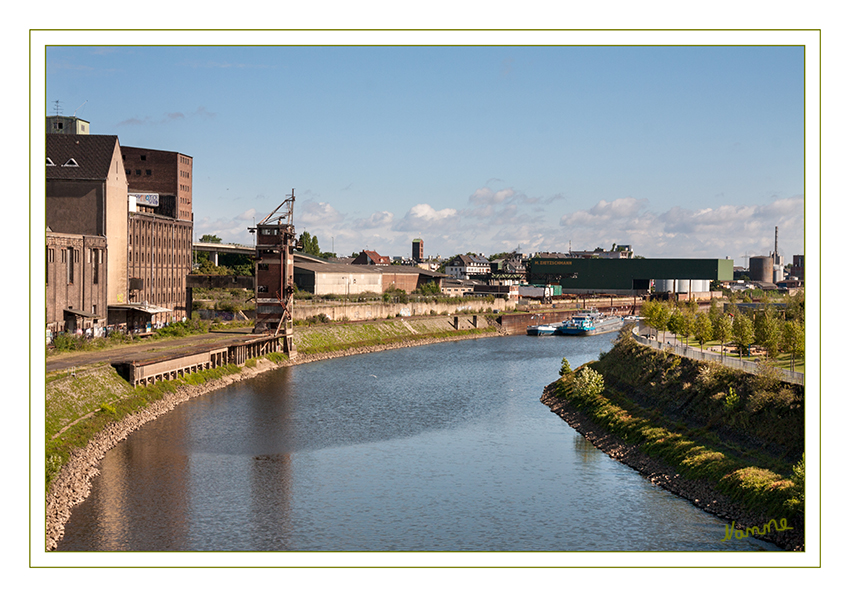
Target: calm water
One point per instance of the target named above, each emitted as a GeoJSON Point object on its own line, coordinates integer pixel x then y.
{"type": "Point", "coordinates": [437, 448]}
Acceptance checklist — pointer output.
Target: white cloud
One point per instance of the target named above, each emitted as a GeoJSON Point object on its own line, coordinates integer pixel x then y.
{"type": "Point", "coordinates": [313, 213]}
{"type": "Point", "coordinates": [422, 217]}
{"type": "Point", "coordinates": [229, 230]}
{"type": "Point", "coordinates": [728, 230]}
{"type": "Point", "coordinates": [487, 196]}
{"type": "Point", "coordinates": [379, 219]}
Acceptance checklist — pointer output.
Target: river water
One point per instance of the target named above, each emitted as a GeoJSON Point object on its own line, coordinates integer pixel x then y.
{"type": "Point", "coordinates": [444, 447]}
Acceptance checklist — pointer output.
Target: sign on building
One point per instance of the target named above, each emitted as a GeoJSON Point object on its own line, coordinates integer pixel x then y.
{"type": "Point", "coordinates": [151, 199]}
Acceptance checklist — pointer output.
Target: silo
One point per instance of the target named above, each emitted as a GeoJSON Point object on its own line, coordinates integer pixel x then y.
{"type": "Point", "coordinates": [778, 269]}
{"type": "Point", "coordinates": [683, 286]}
{"type": "Point", "coordinates": [664, 285]}
{"type": "Point", "coordinates": [761, 269]}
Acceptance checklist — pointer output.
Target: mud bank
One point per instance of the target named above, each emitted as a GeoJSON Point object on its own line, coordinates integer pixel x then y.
{"type": "Point", "coordinates": [72, 484]}
{"type": "Point", "coordinates": [698, 492]}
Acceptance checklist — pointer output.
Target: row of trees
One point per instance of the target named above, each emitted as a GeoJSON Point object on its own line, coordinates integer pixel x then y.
{"type": "Point", "coordinates": [774, 331]}
{"type": "Point", "coordinates": [228, 264]}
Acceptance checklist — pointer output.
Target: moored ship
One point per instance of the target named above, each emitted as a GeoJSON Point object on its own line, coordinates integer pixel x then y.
{"type": "Point", "coordinates": [589, 322]}
{"type": "Point", "coordinates": [543, 329]}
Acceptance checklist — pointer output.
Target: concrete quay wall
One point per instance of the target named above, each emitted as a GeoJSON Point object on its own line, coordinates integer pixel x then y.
{"type": "Point", "coordinates": [172, 366]}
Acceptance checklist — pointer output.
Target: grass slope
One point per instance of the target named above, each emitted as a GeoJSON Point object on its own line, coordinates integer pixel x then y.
{"type": "Point", "coordinates": [742, 433]}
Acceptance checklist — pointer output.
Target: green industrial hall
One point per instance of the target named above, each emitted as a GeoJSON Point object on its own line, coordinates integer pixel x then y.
{"type": "Point", "coordinates": [619, 276]}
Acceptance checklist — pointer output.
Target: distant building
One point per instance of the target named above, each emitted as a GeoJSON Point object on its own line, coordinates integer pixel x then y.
{"type": "Point", "coordinates": [457, 287]}
{"type": "Point", "coordinates": [618, 252]}
{"type": "Point", "coordinates": [67, 125]}
{"type": "Point", "coordinates": [336, 278]}
{"type": "Point", "coordinates": [464, 266]}
{"type": "Point", "coordinates": [418, 252]}
{"type": "Point", "coordinates": [371, 258]}
{"type": "Point", "coordinates": [798, 269]}
{"type": "Point", "coordinates": [509, 269]}
{"type": "Point", "coordinates": [407, 278]}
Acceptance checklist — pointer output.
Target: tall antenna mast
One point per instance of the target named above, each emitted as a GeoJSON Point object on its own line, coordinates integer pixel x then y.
{"type": "Point", "coordinates": [57, 107]}
{"type": "Point", "coordinates": [81, 105]}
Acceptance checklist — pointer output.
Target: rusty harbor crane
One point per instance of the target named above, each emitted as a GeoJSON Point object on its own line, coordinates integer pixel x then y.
{"type": "Point", "coordinates": [273, 273]}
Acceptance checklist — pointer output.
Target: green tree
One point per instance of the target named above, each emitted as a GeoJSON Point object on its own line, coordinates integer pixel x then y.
{"type": "Point", "coordinates": [429, 288]}
{"type": "Point", "coordinates": [647, 311]}
{"type": "Point", "coordinates": [795, 308]}
{"type": "Point", "coordinates": [656, 315]}
{"type": "Point", "coordinates": [703, 330]}
{"type": "Point", "coordinates": [676, 322]}
{"type": "Point", "coordinates": [208, 268]}
{"type": "Point", "coordinates": [722, 331]}
{"type": "Point", "coordinates": [768, 332]}
{"type": "Point", "coordinates": [714, 311]}
{"type": "Point", "coordinates": [689, 320]}
{"type": "Point", "coordinates": [742, 333]}
{"type": "Point", "coordinates": [794, 340]}
{"type": "Point", "coordinates": [310, 244]}
{"type": "Point", "coordinates": [210, 238]}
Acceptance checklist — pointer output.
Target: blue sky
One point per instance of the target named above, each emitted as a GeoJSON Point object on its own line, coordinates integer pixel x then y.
{"type": "Point", "coordinates": [678, 151]}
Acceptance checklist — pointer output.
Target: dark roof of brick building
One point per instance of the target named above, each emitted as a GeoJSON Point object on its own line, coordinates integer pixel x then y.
{"type": "Point", "coordinates": [79, 157]}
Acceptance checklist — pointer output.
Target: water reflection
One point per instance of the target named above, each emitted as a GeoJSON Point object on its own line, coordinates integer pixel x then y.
{"type": "Point", "coordinates": [438, 448]}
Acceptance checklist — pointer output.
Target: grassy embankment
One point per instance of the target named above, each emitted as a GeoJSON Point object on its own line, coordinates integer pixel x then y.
{"type": "Point", "coordinates": [742, 433]}
{"type": "Point", "coordinates": [335, 337]}
{"type": "Point", "coordinates": [78, 406]}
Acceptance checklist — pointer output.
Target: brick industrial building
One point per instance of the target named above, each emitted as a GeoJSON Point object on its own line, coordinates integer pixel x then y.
{"type": "Point", "coordinates": [86, 210]}
{"type": "Point", "coordinates": [160, 229]}
{"type": "Point", "coordinates": [118, 232]}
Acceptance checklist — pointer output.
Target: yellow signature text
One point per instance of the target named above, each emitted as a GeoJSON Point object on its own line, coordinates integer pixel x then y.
{"type": "Point", "coordinates": [731, 531]}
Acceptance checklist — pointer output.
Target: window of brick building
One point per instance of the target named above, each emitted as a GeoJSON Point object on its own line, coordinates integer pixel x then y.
{"type": "Point", "coordinates": [95, 272]}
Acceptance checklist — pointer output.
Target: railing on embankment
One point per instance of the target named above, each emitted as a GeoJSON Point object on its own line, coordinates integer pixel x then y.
{"type": "Point", "coordinates": [794, 377]}
{"type": "Point", "coordinates": [172, 366]}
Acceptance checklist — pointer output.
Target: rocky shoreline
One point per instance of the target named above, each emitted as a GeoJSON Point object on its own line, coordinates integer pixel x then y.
{"type": "Point", "coordinates": [72, 484]}
{"type": "Point", "coordinates": [700, 493]}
